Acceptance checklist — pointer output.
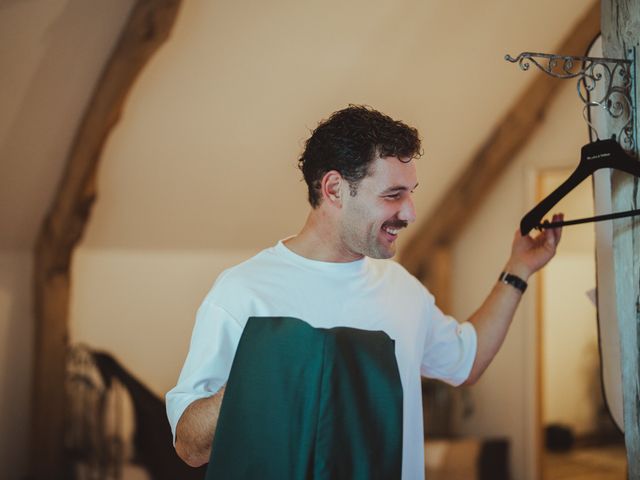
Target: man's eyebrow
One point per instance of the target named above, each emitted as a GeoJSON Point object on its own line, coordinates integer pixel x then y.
{"type": "Point", "coordinates": [398, 188]}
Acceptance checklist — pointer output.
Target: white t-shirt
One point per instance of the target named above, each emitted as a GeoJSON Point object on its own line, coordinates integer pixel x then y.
{"type": "Point", "coordinates": [367, 294]}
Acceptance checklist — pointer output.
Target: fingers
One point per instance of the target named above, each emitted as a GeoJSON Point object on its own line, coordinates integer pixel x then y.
{"type": "Point", "coordinates": [553, 235]}
{"type": "Point", "coordinates": [550, 236]}
{"type": "Point", "coordinates": [558, 217]}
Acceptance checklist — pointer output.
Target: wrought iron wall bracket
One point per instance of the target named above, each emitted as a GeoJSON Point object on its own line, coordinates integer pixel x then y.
{"type": "Point", "coordinates": [604, 83]}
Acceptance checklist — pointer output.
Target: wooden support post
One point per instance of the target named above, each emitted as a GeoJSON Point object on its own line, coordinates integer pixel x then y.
{"type": "Point", "coordinates": [146, 29]}
{"type": "Point", "coordinates": [620, 39]}
{"type": "Point", "coordinates": [437, 276]}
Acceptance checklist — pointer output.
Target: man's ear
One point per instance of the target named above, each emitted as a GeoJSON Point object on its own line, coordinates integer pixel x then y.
{"type": "Point", "coordinates": [332, 185]}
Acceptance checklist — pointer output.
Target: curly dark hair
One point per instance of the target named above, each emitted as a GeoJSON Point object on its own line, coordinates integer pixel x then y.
{"type": "Point", "coordinates": [348, 141]}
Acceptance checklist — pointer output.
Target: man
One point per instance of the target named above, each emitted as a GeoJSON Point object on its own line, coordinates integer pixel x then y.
{"type": "Point", "coordinates": [360, 171]}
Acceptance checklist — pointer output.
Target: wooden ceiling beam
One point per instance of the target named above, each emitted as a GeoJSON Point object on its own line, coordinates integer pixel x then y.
{"type": "Point", "coordinates": [499, 150]}
{"type": "Point", "coordinates": [146, 29]}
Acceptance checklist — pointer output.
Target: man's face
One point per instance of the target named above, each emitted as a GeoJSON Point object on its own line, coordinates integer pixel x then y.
{"type": "Point", "coordinates": [371, 219]}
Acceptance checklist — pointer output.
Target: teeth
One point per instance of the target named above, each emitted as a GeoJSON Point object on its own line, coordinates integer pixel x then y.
{"type": "Point", "coordinates": [392, 231]}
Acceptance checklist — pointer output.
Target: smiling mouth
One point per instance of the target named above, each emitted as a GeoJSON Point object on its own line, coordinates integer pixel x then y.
{"type": "Point", "coordinates": [393, 227]}
{"type": "Point", "coordinates": [391, 230]}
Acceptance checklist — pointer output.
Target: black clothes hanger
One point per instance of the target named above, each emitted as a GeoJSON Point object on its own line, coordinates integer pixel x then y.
{"type": "Point", "coordinates": [594, 156]}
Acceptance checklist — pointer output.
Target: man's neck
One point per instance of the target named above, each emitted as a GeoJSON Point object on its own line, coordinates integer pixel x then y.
{"type": "Point", "coordinates": [318, 240]}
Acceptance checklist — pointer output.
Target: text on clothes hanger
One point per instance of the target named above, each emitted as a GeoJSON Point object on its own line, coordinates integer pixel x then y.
{"type": "Point", "coordinates": [593, 156]}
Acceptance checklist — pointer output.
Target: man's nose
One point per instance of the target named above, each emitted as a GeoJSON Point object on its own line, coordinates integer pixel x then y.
{"type": "Point", "coordinates": [408, 211]}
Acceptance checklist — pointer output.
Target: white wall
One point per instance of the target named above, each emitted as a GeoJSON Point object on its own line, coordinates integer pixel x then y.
{"type": "Point", "coordinates": [570, 344]}
{"type": "Point", "coordinates": [504, 398]}
{"type": "Point", "coordinates": [205, 153]}
{"type": "Point", "coordinates": [569, 350]}
{"type": "Point", "coordinates": [16, 354]}
{"type": "Point", "coordinates": [141, 305]}
{"type": "Point", "coordinates": [51, 54]}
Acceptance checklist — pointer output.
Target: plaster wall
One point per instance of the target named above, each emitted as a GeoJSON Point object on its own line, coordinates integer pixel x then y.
{"type": "Point", "coordinates": [214, 125]}
{"type": "Point", "coordinates": [570, 363]}
{"type": "Point", "coordinates": [570, 360]}
{"type": "Point", "coordinates": [52, 53]}
{"type": "Point", "coordinates": [504, 400]}
{"type": "Point", "coordinates": [141, 305]}
{"type": "Point", "coordinates": [16, 354]}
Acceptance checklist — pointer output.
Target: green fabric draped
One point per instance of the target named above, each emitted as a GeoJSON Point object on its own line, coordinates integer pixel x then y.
{"type": "Point", "coordinates": [309, 403]}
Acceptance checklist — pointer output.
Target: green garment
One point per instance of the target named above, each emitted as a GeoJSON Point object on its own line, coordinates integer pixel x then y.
{"type": "Point", "coordinates": [309, 403]}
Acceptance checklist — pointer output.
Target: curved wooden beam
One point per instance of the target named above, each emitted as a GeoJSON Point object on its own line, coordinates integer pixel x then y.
{"type": "Point", "coordinates": [507, 139]}
{"type": "Point", "coordinates": [147, 28]}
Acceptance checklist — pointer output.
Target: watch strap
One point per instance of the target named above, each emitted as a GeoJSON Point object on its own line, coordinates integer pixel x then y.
{"type": "Point", "coordinates": [513, 280]}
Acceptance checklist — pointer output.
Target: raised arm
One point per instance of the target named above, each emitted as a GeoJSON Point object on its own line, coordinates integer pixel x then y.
{"type": "Point", "coordinates": [493, 318]}
{"type": "Point", "coordinates": [196, 428]}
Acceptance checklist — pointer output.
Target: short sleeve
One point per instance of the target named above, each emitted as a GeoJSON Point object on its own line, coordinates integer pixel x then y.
{"type": "Point", "coordinates": [450, 347]}
{"type": "Point", "coordinates": [214, 341]}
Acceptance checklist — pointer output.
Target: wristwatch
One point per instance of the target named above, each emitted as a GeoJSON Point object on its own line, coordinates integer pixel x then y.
{"type": "Point", "coordinates": [513, 280]}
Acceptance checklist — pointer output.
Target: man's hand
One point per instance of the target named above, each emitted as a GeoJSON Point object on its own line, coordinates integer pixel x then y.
{"type": "Point", "coordinates": [492, 319]}
{"type": "Point", "coordinates": [529, 254]}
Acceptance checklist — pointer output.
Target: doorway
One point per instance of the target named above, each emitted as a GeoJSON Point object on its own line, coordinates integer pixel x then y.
{"type": "Point", "coordinates": [579, 440]}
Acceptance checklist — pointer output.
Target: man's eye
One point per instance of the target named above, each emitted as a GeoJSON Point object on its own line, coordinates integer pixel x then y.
{"type": "Point", "coordinates": [395, 196]}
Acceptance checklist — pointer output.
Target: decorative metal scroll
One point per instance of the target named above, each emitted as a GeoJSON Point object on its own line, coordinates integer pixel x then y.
{"type": "Point", "coordinates": [605, 83]}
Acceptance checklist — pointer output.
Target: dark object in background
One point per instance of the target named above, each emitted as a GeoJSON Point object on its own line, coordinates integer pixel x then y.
{"type": "Point", "coordinates": [437, 405]}
{"type": "Point", "coordinates": [493, 463]}
{"type": "Point", "coordinates": [98, 453]}
{"type": "Point", "coordinates": [153, 438]}
{"type": "Point", "coordinates": [558, 438]}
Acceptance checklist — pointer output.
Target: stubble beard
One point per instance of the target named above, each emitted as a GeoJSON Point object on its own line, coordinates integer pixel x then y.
{"type": "Point", "coordinates": [372, 246]}
{"type": "Point", "coordinates": [378, 248]}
